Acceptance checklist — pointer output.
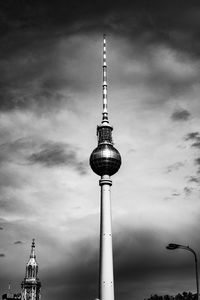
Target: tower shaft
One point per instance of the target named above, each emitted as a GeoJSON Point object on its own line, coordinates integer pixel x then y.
{"type": "Point", "coordinates": [106, 278]}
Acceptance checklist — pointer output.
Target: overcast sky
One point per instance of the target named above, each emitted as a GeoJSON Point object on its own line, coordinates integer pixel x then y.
{"type": "Point", "coordinates": [50, 105]}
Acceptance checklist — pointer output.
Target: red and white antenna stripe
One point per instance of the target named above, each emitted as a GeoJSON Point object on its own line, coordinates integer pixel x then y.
{"type": "Point", "coordinates": [105, 100]}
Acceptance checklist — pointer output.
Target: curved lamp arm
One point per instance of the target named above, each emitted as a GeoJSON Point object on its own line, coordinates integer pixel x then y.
{"type": "Point", "coordinates": [177, 246]}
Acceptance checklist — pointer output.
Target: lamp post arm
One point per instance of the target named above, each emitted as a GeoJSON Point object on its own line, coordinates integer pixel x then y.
{"type": "Point", "coordinates": [196, 266]}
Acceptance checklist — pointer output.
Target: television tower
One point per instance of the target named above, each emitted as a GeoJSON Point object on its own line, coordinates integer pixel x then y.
{"type": "Point", "coordinates": [105, 161]}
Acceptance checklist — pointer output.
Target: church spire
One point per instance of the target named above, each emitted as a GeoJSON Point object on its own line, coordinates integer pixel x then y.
{"type": "Point", "coordinates": [9, 294]}
{"type": "Point", "coordinates": [105, 86]}
{"type": "Point", "coordinates": [33, 249]}
{"type": "Point", "coordinates": [9, 287]}
{"type": "Point", "coordinates": [32, 266]}
{"type": "Point", "coordinates": [31, 284]}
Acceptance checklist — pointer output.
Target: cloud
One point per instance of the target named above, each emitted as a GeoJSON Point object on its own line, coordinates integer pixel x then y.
{"type": "Point", "coordinates": [174, 167]}
{"type": "Point", "coordinates": [195, 138]}
{"type": "Point", "coordinates": [180, 115]}
{"type": "Point", "coordinates": [16, 150]}
{"type": "Point", "coordinates": [49, 154]}
{"type": "Point", "coordinates": [193, 179]}
{"type": "Point", "coordinates": [192, 136]}
{"type": "Point", "coordinates": [36, 85]}
{"type": "Point", "coordinates": [176, 194]}
{"type": "Point", "coordinates": [44, 53]}
{"type": "Point", "coordinates": [14, 206]}
{"type": "Point", "coordinates": [58, 154]}
{"type": "Point", "coordinates": [197, 163]}
{"type": "Point", "coordinates": [18, 242]}
{"type": "Point", "coordinates": [196, 145]}
{"type": "Point", "coordinates": [22, 99]}
{"type": "Point", "coordinates": [53, 155]}
{"type": "Point", "coordinates": [77, 278]}
{"type": "Point", "coordinates": [41, 72]}
{"type": "Point", "coordinates": [187, 190]}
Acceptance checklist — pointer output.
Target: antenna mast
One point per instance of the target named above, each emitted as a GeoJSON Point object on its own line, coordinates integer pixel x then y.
{"type": "Point", "coordinates": [105, 86]}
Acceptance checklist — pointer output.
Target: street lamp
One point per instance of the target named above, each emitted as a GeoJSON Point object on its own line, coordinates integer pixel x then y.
{"type": "Point", "coordinates": [173, 246]}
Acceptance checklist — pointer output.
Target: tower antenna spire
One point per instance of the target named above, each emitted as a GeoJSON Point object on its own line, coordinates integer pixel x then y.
{"type": "Point", "coordinates": [105, 86]}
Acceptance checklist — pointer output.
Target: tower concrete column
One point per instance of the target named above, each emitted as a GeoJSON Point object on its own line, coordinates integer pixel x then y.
{"type": "Point", "coordinates": [106, 278]}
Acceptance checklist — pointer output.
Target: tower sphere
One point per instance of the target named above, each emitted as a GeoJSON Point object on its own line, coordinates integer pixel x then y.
{"type": "Point", "coordinates": [105, 160]}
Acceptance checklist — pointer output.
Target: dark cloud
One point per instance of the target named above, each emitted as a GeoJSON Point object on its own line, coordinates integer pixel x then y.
{"type": "Point", "coordinates": [29, 80]}
{"type": "Point", "coordinates": [31, 76]}
{"type": "Point", "coordinates": [25, 99]}
{"type": "Point", "coordinates": [176, 194]}
{"type": "Point", "coordinates": [180, 115]}
{"type": "Point", "coordinates": [196, 145]}
{"type": "Point", "coordinates": [21, 152]}
{"type": "Point", "coordinates": [53, 155]}
{"type": "Point", "coordinates": [193, 179]}
{"type": "Point", "coordinates": [3, 220]}
{"type": "Point", "coordinates": [82, 167]}
{"type": "Point", "coordinates": [2, 255]}
{"type": "Point", "coordinates": [16, 150]}
{"type": "Point", "coordinates": [195, 138]}
{"type": "Point", "coordinates": [187, 190]}
{"type": "Point", "coordinates": [48, 154]}
{"type": "Point", "coordinates": [151, 22]}
{"type": "Point", "coordinates": [58, 154]}
{"type": "Point", "coordinates": [132, 263]}
{"type": "Point", "coordinates": [14, 206]}
{"type": "Point", "coordinates": [47, 13]}
{"type": "Point", "coordinates": [176, 166]}
{"type": "Point", "coordinates": [197, 163]}
{"type": "Point", "coordinates": [18, 242]}
{"type": "Point", "coordinates": [192, 136]}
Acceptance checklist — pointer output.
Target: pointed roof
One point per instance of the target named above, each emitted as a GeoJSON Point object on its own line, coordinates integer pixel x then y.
{"type": "Point", "coordinates": [32, 260]}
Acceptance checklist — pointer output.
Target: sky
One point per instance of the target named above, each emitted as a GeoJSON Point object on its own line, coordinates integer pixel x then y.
{"type": "Point", "coordinates": [50, 105]}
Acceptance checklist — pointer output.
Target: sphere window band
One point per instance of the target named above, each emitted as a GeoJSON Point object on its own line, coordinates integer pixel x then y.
{"type": "Point", "coordinates": [104, 134]}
